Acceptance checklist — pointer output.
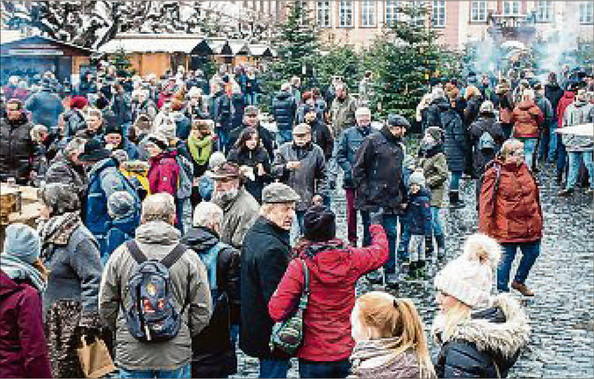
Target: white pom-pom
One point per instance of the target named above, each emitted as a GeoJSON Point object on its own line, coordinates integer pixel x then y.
{"type": "Point", "coordinates": [482, 248]}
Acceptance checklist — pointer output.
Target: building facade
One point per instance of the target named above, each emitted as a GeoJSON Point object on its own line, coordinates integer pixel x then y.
{"type": "Point", "coordinates": [358, 22]}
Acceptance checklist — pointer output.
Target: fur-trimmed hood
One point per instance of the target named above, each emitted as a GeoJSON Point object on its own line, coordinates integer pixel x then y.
{"type": "Point", "coordinates": [503, 338]}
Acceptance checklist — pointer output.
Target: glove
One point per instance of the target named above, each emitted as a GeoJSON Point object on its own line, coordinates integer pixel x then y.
{"type": "Point", "coordinates": [376, 216]}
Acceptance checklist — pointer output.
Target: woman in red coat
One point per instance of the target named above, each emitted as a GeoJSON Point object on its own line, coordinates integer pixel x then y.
{"type": "Point", "coordinates": [510, 212]}
{"type": "Point", "coordinates": [334, 268]}
{"type": "Point", "coordinates": [528, 120]}
{"type": "Point", "coordinates": [164, 170]}
{"type": "Point", "coordinates": [23, 351]}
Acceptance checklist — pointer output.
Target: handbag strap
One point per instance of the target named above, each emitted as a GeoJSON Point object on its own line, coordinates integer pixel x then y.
{"type": "Point", "coordinates": [305, 294]}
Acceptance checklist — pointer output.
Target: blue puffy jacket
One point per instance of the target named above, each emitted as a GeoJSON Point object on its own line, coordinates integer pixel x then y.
{"type": "Point", "coordinates": [45, 108]}
{"type": "Point", "coordinates": [283, 109]}
{"type": "Point", "coordinates": [104, 179]}
{"type": "Point", "coordinates": [122, 230]}
{"type": "Point", "coordinates": [418, 213]}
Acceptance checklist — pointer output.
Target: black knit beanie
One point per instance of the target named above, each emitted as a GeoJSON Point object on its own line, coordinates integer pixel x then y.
{"type": "Point", "coordinates": [319, 224]}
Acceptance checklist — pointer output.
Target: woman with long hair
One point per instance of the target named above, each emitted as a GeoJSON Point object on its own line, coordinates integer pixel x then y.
{"type": "Point", "coordinates": [481, 336]}
{"type": "Point", "coordinates": [249, 152]}
{"type": "Point", "coordinates": [390, 339]}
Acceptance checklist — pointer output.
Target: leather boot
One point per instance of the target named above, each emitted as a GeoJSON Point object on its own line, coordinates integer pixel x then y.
{"type": "Point", "coordinates": [522, 288]}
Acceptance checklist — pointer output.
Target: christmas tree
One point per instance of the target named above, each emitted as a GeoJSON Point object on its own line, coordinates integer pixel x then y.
{"type": "Point", "coordinates": [122, 64]}
{"type": "Point", "coordinates": [340, 61]}
{"type": "Point", "coordinates": [403, 60]}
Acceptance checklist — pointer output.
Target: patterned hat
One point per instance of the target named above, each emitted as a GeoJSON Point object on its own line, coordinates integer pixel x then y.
{"type": "Point", "coordinates": [469, 277]}
{"type": "Point", "coordinates": [279, 193]}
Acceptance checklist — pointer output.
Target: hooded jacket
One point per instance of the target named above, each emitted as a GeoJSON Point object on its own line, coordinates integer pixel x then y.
{"type": "Point", "coordinates": [440, 113]}
{"type": "Point", "coordinates": [579, 112]}
{"type": "Point", "coordinates": [213, 353]}
{"type": "Point", "coordinates": [23, 351]}
{"type": "Point", "coordinates": [510, 209]}
{"type": "Point", "coordinates": [333, 272]}
{"type": "Point", "coordinates": [487, 345]}
{"type": "Point", "coordinates": [567, 99]}
{"type": "Point", "coordinates": [343, 114]}
{"type": "Point", "coordinates": [163, 173]}
{"type": "Point", "coordinates": [16, 149]}
{"type": "Point", "coordinates": [483, 124]}
{"type": "Point", "coordinates": [527, 119]}
{"type": "Point", "coordinates": [283, 109]}
{"type": "Point", "coordinates": [122, 230]}
{"type": "Point", "coordinates": [435, 169]}
{"type": "Point", "coordinates": [418, 213]}
{"type": "Point", "coordinates": [378, 173]}
{"type": "Point", "coordinates": [188, 277]}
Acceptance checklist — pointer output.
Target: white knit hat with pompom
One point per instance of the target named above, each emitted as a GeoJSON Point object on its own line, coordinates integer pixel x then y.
{"type": "Point", "coordinates": [469, 277]}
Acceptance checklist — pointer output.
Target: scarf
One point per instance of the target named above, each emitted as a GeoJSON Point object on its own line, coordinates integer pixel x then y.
{"type": "Point", "coordinates": [57, 231]}
{"type": "Point", "coordinates": [200, 149]}
{"type": "Point", "coordinates": [16, 268]}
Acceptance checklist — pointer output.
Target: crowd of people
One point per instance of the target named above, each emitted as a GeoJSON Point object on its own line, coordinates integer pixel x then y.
{"type": "Point", "coordinates": [177, 226]}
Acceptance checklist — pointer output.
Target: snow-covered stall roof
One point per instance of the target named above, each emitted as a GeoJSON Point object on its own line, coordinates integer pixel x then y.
{"type": "Point", "coordinates": [7, 36]}
{"type": "Point", "coordinates": [259, 50]}
{"type": "Point", "coordinates": [152, 43]}
{"type": "Point", "coordinates": [28, 42]}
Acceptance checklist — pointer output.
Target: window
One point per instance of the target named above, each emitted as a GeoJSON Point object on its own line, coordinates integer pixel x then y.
{"type": "Point", "coordinates": [511, 8]}
{"type": "Point", "coordinates": [346, 14]}
{"type": "Point", "coordinates": [544, 11]}
{"type": "Point", "coordinates": [367, 14]}
{"type": "Point", "coordinates": [391, 12]}
{"type": "Point", "coordinates": [478, 11]}
{"type": "Point", "coordinates": [438, 14]}
{"type": "Point", "coordinates": [323, 14]}
{"type": "Point", "coordinates": [586, 12]}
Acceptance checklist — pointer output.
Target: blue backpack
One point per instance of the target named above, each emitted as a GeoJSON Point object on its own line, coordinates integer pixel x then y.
{"type": "Point", "coordinates": [152, 316]}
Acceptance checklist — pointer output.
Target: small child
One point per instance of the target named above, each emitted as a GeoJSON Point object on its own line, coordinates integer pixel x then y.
{"type": "Point", "coordinates": [125, 214]}
{"type": "Point", "coordinates": [417, 221]}
{"type": "Point", "coordinates": [435, 168]}
{"type": "Point", "coordinates": [390, 339]}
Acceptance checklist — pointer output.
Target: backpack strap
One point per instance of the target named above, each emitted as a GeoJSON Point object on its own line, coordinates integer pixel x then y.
{"type": "Point", "coordinates": [135, 251]}
{"type": "Point", "coordinates": [174, 255]}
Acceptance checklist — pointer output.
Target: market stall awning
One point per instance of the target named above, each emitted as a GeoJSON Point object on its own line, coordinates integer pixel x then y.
{"type": "Point", "coordinates": [152, 43]}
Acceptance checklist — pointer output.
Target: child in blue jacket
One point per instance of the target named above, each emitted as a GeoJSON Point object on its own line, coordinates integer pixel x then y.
{"type": "Point", "coordinates": [417, 221]}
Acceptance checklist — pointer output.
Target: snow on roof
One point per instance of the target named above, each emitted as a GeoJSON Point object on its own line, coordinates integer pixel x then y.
{"type": "Point", "coordinates": [7, 36]}
{"type": "Point", "coordinates": [257, 50]}
{"type": "Point", "coordinates": [11, 37]}
{"type": "Point", "coordinates": [152, 43]}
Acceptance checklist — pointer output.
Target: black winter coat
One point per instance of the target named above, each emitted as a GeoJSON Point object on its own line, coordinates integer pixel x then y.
{"type": "Point", "coordinates": [251, 158]}
{"type": "Point", "coordinates": [16, 149]}
{"type": "Point", "coordinates": [321, 136]}
{"type": "Point", "coordinates": [213, 353]}
{"type": "Point", "coordinates": [472, 110]}
{"type": "Point", "coordinates": [378, 173]}
{"type": "Point", "coordinates": [266, 136]}
{"type": "Point", "coordinates": [486, 346]}
{"type": "Point", "coordinates": [265, 256]}
{"type": "Point", "coordinates": [481, 157]}
{"type": "Point", "coordinates": [442, 115]}
{"type": "Point", "coordinates": [554, 93]}
{"type": "Point", "coordinates": [284, 109]}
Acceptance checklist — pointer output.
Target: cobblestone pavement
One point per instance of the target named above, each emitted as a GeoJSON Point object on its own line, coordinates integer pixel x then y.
{"type": "Point", "coordinates": [561, 313]}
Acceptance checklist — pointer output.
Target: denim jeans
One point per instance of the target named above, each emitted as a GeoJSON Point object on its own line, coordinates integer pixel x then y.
{"type": "Point", "coordinates": [366, 222]}
{"type": "Point", "coordinates": [530, 251]}
{"type": "Point", "coordinates": [284, 136]}
{"type": "Point", "coordinates": [553, 141]}
{"type": "Point", "coordinates": [182, 372]}
{"type": "Point", "coordinates": [403, 254]}
{"type": "Point", "coordinates": [575, 159]}
{"type": "Point", "coordinates": [436, 221]}
{"type": "Point", "coordinates": [529, 146]}
{"type": "Point", "coordinates": [390, 224]}
{"type": "Point", "coordinates": [455, 180]}
{"type": "Point", "coordinates": [272, 368]}
{"type": "Point", "coordinates": [337, 369]}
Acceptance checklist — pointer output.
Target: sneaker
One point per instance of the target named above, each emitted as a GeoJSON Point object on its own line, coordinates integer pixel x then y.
{"type": "Point", "coordinates": [522, 288]}
{"type": "Point", "coordinates": [565, 192]}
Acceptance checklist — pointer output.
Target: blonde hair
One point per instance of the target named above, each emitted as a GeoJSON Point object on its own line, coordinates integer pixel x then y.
{"type": "Point", "coordinates": [509, 146]}
{"type": "Point", "coordinates": [389, 317]}
{"type": "Point", "coordinates": [456, 315]}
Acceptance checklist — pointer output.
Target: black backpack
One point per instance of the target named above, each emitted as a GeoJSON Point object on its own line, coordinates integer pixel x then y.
{"type": "Point", "coordinates": [152, 316]}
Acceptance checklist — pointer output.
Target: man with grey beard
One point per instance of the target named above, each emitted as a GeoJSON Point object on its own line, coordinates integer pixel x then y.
{"type": "Point", "coordinates": [239, 206]}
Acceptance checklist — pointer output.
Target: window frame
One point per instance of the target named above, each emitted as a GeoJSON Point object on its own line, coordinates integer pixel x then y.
{"type": "Point", "coordinates": [586, 18]}
{"type": "Point", "coordinates": [327, 9]}
{"type": "Point", "coordinates": [547, 5]}
{"type": "Point", "coordinates": [342, 6]}
{"type": "Point", "coordinates": [480, 5]}
{"type": "Point", "coordinates": [439, 6]}
{"type": "Point", "coordinates": [370, 5]}
{"type": "Point", "coordinates": [393, 6]}
{"type": "Point", "coordinates": [511, 4]}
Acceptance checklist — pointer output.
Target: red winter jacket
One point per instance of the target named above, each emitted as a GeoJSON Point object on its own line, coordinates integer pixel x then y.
{"type": "Point", "coordinates": [23, 347]}
{"type": "Point", "coordinates": [567, 99]}
{"type": "Point", "coordinates": [163, 173]}
{"type": "Point", "coordinates": [333, 272]}
{"type": "Point", "coordinates": [527, 118]}
{"type": "Point", "coordinates": [510, 209]}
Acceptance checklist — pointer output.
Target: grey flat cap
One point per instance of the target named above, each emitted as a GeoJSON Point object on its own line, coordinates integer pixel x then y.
{"type": "Point", "coordinates": [279, 193]}
{"type": "Point", "coordinates": [397, 120]}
